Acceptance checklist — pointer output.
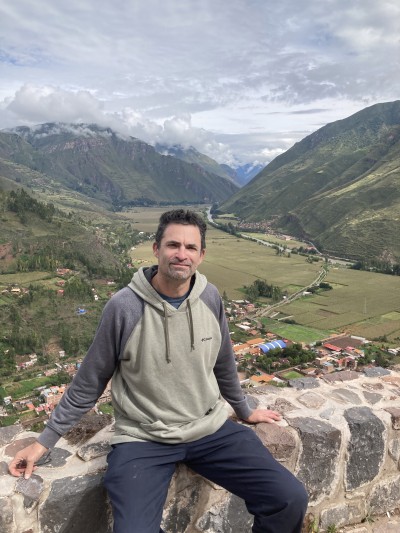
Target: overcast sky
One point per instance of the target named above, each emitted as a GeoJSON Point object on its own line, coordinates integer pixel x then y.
{"type": "Point", "coordinates": [241, 80]}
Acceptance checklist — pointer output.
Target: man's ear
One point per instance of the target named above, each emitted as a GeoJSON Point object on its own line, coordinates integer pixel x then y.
{"type": "Point", "coordinates": [155, 249]}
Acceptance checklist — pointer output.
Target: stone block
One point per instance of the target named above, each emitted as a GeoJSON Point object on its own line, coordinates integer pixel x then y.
{"type": "Point", "coordinates": [326, 414]}
{"type": "Point", "coordinates": [6, 516]}
{"type": "Point", "coordinates": [304, 383]}
{"type": "Point", "coordinates": [31, 489]}
{"type": "Point", "coordinates": [282, 406]}
{"type": "Point", "coordinates": [187, 497]}
{"type": "Point", "coordinates": [312, 400]}
{"type": "Point", "coordinates": [394, 449]}
{"type": "Point", "coordinates": [8, 433]}
{"type": "Point", "coordinates": [253, 401]}
{"type": "Point", "coordinates": [97, 445]}
{"type": "Point", "coordinates": [385, 496]}
{"type": "Point", "coordinates": [230, 516]}
{"type": "Point", "coordinates": [58, 458]}
{"type": "Point", "coordinates": [342, 515]}
{"type": "Point", "coordinates": [319, 455]}
{"type": "Point", "coordinates": [18, 445]}
{"type": "Point", "coordinates": [76, 504]}
{"type": "Point", "coordinates": [395, 414]}
{"type": "Point", "coordinates": [345, 375]}
{"type": "Point", "coordinates": [372, 397]}
{"type": "Point", "coordinates": [346, 396]}
{"type": "Point", "coordinates": [3, 468]}
{"type": "Point", "coordinates": [376, 372]}
{"type": "Point", "coordinates": [366, 446]}
{"type": "Point", "coordinates": [392, 380]}
{"type": "Point", "coordinates": [280, 442]}
{"type": "Point", "coordinates": [90, 451]}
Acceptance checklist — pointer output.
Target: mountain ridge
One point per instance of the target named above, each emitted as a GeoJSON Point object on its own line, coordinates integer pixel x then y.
{"type": "Point", "coordinates": [339, 186]}
{"type": "Point", "coordinates": [106, 166]}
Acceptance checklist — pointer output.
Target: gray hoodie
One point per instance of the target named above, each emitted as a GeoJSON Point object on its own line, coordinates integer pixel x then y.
{"type": "Point", "coordinates": [170, 367]}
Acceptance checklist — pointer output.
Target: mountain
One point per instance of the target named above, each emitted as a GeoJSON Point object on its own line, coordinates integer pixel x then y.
{"type": "Point", "coordinates": [246, 173]}
{"type": "Point", "coordinates": [102, 165]}
{"type": "Point", "coordinates": [339, 187]}
{"type": "Point", "coordinates": [193, 156]}
{"type": "Point", "coordinates": [240, 175]}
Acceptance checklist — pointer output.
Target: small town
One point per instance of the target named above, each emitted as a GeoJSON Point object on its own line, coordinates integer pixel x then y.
{"type": "Point", "coordinates": [262, 358]}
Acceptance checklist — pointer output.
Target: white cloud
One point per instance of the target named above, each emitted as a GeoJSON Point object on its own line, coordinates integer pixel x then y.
{"type": "Point", "coordinates": [43, 103]}
{"type": "Point", "coordinates": [201, 72]}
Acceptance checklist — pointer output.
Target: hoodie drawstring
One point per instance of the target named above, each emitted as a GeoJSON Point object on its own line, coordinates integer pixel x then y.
{"type": "Point", "coordinates": [191, 325]}
{"type": "Point", "coordinates": [166, 329]}
{"type": "Point", "coordinates": [166, 333]}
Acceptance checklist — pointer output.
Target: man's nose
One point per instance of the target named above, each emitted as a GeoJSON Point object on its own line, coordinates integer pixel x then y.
{"type": "Point", "coordinates": [181, 253]}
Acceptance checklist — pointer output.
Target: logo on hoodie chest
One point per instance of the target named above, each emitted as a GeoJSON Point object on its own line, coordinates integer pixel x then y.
{"type": "Point", "coordinates": [204, 339]}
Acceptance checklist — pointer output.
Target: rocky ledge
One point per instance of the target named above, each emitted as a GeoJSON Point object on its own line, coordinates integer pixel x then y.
{"type": "Point", "coordinates": [340, 435]}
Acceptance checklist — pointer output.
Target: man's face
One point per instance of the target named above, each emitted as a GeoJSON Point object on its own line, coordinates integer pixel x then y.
{"type": "Point", "coordinates": [179, 253]}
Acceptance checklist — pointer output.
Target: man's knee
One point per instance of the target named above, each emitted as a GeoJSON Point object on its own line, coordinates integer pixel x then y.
{"type": "Point", "coordinates": [300, 496]}
{"type": "Point", "coordinates": [293, 494]}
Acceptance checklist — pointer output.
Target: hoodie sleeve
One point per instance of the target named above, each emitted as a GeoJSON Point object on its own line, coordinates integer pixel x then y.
{"type": "Point", "coordinates": [97, 368]}
{"type": "Point", "coordinates": [225, 366]}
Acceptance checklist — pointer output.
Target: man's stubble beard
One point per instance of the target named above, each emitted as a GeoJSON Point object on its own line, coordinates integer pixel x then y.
{"type": "Point", "coordinates": [180, 275]}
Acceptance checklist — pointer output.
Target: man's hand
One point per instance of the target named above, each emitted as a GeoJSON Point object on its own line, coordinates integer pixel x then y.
{"type": "Point", "coordinates": [263, 415]}
{"type": "Point", "coordinates": [24, 460]}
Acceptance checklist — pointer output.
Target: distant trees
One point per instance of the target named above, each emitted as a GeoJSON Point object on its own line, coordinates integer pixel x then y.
{"type": "Point", "coordinates": [260, 287]}
{"type": "Point", "coordinates": [21, 203]}
{"type": "Point", "coordinates": [374, 265]}
{"type": "Point", "coordinates": [229, 228]}
{"type": "Point", "coordinates": [324, 285]}
{"type": "Point", "coordinates": [76, 287]}
{"type": "Point", "coordinates": [295, 354]}
{"type": "Point", "coordinates": [42, 260]}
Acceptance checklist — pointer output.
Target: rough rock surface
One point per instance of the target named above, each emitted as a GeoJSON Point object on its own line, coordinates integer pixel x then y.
{"type": "Point", "coordinates": [342, 439]}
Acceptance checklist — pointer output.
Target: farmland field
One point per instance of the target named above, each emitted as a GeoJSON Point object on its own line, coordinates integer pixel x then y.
{"type": "Point", "coordinates": [291, 374]}
{"type": "Point", "coordinates": [361, 303]}
{"type": "Point", "coordinates": [290, 243]}
{"type": "Point", "coordinates": [146, 218]}
{"type": "Point", "coordinates": [23, 277]}
{"type": "Point", "coordinates": [296, 332]}
{"type": "Point", "coordinates": [230, 263]}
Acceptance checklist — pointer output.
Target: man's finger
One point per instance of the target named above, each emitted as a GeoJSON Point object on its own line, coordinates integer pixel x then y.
{"type": "Point", "coordinates": [30, 467]}
{"type": "Point", "coordinates": [17, 466]}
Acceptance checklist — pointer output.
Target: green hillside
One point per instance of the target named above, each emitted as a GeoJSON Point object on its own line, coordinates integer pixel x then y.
{"type": "Point", "coordinates": [98, 163]}
{"type": "Point", "coordinates": [36, 235]}
{"type": "Point", "coordinates": [339, 187]}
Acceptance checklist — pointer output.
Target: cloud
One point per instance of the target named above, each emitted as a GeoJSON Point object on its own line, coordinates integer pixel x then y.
{"type": "Point", "coordinates": [42, 104]}
{"type": "Point", "coordinates": [201, 72]}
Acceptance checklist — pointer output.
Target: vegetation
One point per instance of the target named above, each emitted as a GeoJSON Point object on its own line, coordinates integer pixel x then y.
{"type": "Point", "coordinates": [295, 355]}
{"type": "Point", "coordinates": [101, 165]}
{"type": "Point", "coordinates": [260, 288]}
{"type": "Point", "coordinates": [21, 203]}
{"type": "Point", "coordinates": [383, 267]}
{"type": "Point", "coordinates": [41, 316]}
{"type": "Point", "coordinates": [337, 187]}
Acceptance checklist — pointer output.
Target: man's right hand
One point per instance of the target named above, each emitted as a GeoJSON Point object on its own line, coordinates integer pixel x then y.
{"type": "Point", "coordinates": [24, 460]}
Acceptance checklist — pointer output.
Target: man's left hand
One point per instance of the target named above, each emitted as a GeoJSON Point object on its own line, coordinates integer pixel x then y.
{"type": "Point", "coordinates": [263, 415]}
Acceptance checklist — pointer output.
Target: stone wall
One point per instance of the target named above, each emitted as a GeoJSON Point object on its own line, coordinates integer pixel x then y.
{"type": "Point", "coordinates": [340, 435]}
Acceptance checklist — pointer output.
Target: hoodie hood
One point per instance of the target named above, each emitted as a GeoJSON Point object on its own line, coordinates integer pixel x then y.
{"type": "Point", "coordinates": [141, 285]}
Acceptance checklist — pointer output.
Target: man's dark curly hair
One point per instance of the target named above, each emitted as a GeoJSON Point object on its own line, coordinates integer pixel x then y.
{"type": "Point", "coordinates": [181, 216]}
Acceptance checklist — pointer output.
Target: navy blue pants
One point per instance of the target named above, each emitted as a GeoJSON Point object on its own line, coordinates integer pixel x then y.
{"type": "Point", "coordinates": [139, 473]}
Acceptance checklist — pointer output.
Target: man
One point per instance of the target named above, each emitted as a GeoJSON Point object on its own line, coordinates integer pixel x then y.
{"type": "Point", "coordinates": [164, 340]}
